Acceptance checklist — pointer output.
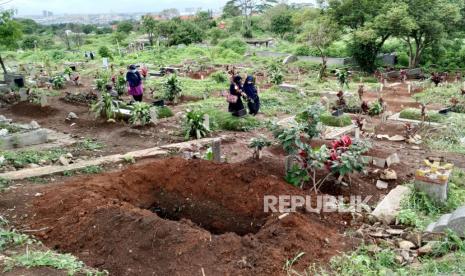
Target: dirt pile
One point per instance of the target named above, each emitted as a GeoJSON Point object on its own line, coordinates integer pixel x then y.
{"type": "Point", "coordinates": [210, 217]}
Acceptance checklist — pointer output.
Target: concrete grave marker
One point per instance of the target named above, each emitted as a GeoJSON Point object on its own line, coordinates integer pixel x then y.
{"type": "Point", "coordinates": [392, 159]}
{"type": "Point", "coordinates": [23, 94]}
{"type": "Point", "coordinates": [433, 179]}
{"type": "Point", "coordinates": [43, 100]}
{"type": "Point", "coordinates": [216, 150]}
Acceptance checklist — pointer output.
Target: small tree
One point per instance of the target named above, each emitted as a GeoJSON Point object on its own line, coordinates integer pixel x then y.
{"type": "Point", "coordinates": [150, 27]}
{"type": "Point", "coordinates": [10, 33]}
{"type": "Point", "coordinates": [125, 27]}
{"type": "Point", "coordinates": [321, 33]}
{"type": "Point", "coordinates": [173, 90]}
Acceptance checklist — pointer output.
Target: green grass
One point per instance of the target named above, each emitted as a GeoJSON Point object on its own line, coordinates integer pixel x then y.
{"type": "Point", "coordinates": [415, 114]}
{"type": "Point", "coordinates": [336, 121]}
{"type": "Point", "coordinates": [19, 159]}
{"type": "Point", "coordinates": [439, 95]}
{"type": "Point", "coordinates": [419, 210]}
{"type": "Point", "coordinates": [90, 145]}
{"type": "Point", "coordinates": [92, 170]}
{"type": "Point", "coordinates": [11, 128]}
{"type": "Point", "coordinates": [222, 120]}
{"type": "Point", "coordinates": [362, 262]}
{"type": "Point", "coordinates": [12, 238]}
{"type": "Point", "coordinates": [448, 137]}
{"type": "Point", "coordinates": [164, 112]}
{"type": "Point", "coordinates": [12, 242]}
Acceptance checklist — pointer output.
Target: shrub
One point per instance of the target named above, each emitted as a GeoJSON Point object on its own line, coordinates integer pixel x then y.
{"type": "Point", "coordinates": [105, 52]}
{"type": "Point", "coordinates": [219, 77]}
{"type": "Point", "coordinates": [140, 113]}
{"type": "Point", "coordinates": [105, 107]}
{"type": "Point", "coordinates": [58, 82]}
{"type": "Point", "coordinates": [172, 87]}
{"type": "Point", "coordinates": [164, 112]}
{"type": "Point", "coordinates": [194, 125]}
{"type": "Point", "coordinates": [275, 73]}
{"type": "Point", "coordinates": [375, 109]}
{"type": "Point", "coordinates": [235, 44]}
{"type": "Point", "coordinates": [336, 121]}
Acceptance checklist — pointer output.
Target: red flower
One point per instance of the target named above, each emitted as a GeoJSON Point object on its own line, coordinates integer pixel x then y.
{"type": "Point", "coordinates": [346, 141]}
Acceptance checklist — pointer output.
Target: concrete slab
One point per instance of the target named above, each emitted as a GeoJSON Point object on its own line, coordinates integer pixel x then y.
{"type": "Point", "coordinates": [150, 152]}
{"type": "Point", "coordinates": [389, 207]}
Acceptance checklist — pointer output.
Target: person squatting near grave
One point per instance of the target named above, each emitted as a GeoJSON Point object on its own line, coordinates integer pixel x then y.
{"type": "Point", "coordinates": [134, 79]}
{"type": "Point", "coordinates": [253, 101]}
{"type": "Point", "coordinates": [236, 107]}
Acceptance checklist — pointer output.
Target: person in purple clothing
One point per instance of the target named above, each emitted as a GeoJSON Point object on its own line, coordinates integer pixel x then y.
{"type": "Point", "coordinates": [134, 79]}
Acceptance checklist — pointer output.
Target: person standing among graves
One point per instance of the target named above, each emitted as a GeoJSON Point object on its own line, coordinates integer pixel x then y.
{"type": "Point", "coordinates": [134, 79]}
{"type": "Point", "coordinates": [91, 55]}
{"type": "Point", "coordinates": [252, 95]}
{"type": "Point", "coordinates": [236, 107]}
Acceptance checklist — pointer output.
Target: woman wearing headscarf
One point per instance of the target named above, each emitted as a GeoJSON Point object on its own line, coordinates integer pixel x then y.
{"type": "Point", "coordinates": [134, 79]}
{"type": "Point", "coordinates": [234, 98]}
{"type": "Point", "coordinates": [252, 95]}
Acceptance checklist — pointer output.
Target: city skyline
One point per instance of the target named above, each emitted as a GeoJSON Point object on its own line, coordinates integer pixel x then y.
{"type": "Point", "coordinates": [59, 7]}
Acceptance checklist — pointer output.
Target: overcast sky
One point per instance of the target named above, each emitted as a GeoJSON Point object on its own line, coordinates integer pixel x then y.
{"type": "Point", "coordinates": [32, 7]}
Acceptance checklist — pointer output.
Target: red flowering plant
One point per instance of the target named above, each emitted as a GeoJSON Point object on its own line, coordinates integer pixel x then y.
{"type": "Point", "coordinates": [344, 158]}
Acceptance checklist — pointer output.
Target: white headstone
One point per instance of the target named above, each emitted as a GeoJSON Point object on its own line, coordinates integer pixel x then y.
{"type": "Point", "coordinates": [105, 63]}
{"type": "Point", "coordinates": [43, 100]}
{"type": "Point", "coordinates": [23, 94]}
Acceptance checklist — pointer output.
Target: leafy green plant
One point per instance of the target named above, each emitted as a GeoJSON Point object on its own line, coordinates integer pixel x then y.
{"type": "Point", "coordinates": [129, 159]}
{"type": "Point", "coordinates": [219, 77]}
{"type": "Point", "coordinates": [194, 124]}
{"type": "Point", "coordinates": [258, 144]}
{"type": "Point", "coordinates": [68, 71]}
{"type": "Point", "coordinates": [288, 137]}
{"type": "Point", "coordinates": [105, 52]}
{"type": "Point", "coordinates": [296, 176]}
{"type": "Point", "coordinates": [58, 82]}
{"type": "Point", "coordinates": [120, 84]}
{"type": "Point", "coordinates": [275, 73]}
{"type": "Point", "coordinates": [105, 107]}
{"type": "Point", "coordinates": [100, 84]}
{"type": "Point", "coordinates": [342, 77]}
{"type": "Point", "coordinates": [141, 114]}
{"type": "Point", "coordinates": [208, 154]}
{"type": "Point", "coordinates": [407, 217]}
{"type": "Point", "coordinates": [310, 119]}
{"type": "Point", "coordinates": [375, 109]}
{"type": "Point", "coordinates": [172, 87]}
{"type": "Point", "coordinates": [8, 238]}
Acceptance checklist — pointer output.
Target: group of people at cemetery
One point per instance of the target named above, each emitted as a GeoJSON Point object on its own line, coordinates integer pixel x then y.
{"type": "Point", "coordinates": [239, 91]}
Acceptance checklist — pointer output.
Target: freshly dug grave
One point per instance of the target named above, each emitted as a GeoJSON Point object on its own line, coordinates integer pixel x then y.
{"type": "Point", "coordinates": [210, 218]}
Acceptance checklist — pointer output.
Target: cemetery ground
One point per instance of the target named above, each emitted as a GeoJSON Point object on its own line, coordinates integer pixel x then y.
{"type": "Point", "coordinates": [128, 199]}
